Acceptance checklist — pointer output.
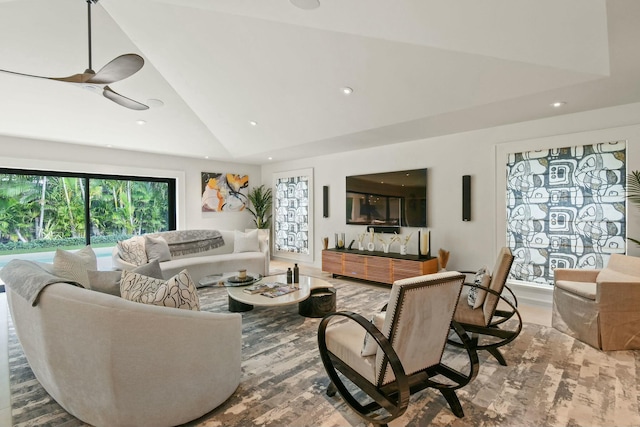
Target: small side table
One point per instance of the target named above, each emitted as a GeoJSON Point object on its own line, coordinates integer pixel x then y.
{"type": "Point", "coordinates": [322, 301]}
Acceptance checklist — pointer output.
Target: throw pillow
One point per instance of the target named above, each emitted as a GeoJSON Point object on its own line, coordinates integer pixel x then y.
{"type": "Point", "coordinates": [73, 266]}
{"type": "Point", "coordinates": [178, 292]}
{"type": "Point", "coordinates": [475, 295]}
{"type": "Point", "coordinates": [246, 242]}
{"type": "Point", "coordinates": [132, 250]}
{"type": "Point", "coordinates": [370, 346]}
{"type": "Point", "coordinates": [157, 248]}
{"type": "Point", "coordinates": [108, 282]}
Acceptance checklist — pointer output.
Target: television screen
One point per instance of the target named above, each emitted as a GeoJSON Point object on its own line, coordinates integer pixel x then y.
{"type": "Point", "coordinates": [390, 199]}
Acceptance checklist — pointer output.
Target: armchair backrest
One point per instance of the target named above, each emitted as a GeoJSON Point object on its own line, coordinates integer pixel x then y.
{"type": "Point", "coordinates": [499, 276]}
{"type": "Point", "coordinates": [418, 320]}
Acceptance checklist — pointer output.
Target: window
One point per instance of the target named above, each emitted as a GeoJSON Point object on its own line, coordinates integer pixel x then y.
{"type": "Point", "coordinates": [43, 210]}
{"type": "Point", "coordinates": [293, 211]}
{"type": "Point", "coordinates": [566, 208]}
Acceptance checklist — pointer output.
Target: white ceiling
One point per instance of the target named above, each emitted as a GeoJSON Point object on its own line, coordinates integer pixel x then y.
{"type": "Point", "coordinates": [419, 68]}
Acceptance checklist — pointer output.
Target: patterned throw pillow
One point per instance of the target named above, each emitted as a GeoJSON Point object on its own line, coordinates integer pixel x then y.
{"type": "Point", "coordinates": [476, 296]}
{"type": "Point", "coordinates": [132, 250]}
{"type": "Point", "coordinates": [178, 292]}
{"type": "Point", "coordinates": [73, 266]}
{"type": "Point", "coordinates": [370, 346]}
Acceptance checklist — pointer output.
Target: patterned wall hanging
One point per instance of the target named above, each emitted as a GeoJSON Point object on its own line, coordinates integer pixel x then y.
{"type": "Point", "coordinates": [292, 216]}
{"type": "Point", "coordinates": [224, 192]}
{"type": "Point", "coordinates": [566, 208]}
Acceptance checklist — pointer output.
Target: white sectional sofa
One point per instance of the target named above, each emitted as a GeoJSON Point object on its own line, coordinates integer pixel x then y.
{"type": "Point", "coordinates": [227, 258]}
{"type": "Point", "coordinates": [113, 362]}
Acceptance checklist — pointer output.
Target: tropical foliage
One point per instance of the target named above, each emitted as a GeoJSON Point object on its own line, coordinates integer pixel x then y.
{"type": "Point", "coordinates": [261, 198]}
{"type": "Point", "coordinates": [38, 207]}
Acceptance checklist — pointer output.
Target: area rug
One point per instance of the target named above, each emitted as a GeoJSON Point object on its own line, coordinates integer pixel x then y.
{"type": "Point", "coordinates": [551, 379]}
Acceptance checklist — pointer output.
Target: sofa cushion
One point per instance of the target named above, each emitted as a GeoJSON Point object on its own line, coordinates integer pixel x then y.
{"type": "Point", "coordinates": [157, 248]}
{"type": "Point", "coordinates": [583, 289]}
{"type": "Point", "coordinates": [246, 242]}
{"type": "Point", "coordinates": [476, 296]}
{"type": "Point", "coordinates": [132, 250]}
{"type": "Point", "coordinates": [73, 266]}
{"type": "Point", "coordinates": [179, 291]}
{"type": "Point", "coordinates": [108, 282]}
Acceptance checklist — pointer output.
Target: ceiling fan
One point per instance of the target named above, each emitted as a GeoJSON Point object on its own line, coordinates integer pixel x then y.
{"type": "Point", "coordinates": [117, 69]}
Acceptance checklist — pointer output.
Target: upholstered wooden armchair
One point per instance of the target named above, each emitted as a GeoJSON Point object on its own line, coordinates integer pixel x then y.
{"type": "Point", "coordinates": [485, 321]}
{"type": "Point", "coordinates": [403, 349]}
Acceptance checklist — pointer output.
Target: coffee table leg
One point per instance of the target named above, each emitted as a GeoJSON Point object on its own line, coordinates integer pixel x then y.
{"type": "Point", "coordinates": [238, 307]}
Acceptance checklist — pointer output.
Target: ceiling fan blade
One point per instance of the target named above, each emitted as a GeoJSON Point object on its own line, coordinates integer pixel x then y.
{"type": "Point", "coordinates": [118, 69]}
{"type": "Point", "coordinates": [76, 78]}
{"type": "Point", "coordinates": [123, 100]}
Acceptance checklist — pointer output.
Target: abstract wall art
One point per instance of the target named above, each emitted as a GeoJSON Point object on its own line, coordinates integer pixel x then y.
{"type": "Point", "coordinates": [566, 208]}
{"type": "Point", "coordinates": [224, 192]}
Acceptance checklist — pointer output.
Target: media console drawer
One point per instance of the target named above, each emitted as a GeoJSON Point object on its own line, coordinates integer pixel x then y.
{"type": "Point", "coordinates": [376, 266]}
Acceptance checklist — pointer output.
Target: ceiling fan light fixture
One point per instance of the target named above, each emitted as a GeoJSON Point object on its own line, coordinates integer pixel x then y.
{"type": "Point", "coordinates": [155, 103]}
{"type": "Point", "coordinates": [306, 4]}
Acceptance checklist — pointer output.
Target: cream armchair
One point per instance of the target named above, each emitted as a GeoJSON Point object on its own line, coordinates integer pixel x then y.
{"type": "Point", "coordinates": [600, 307]}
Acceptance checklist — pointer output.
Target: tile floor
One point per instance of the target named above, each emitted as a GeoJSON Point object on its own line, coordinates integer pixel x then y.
{"type": "Point", "coordinates": [530, 313]}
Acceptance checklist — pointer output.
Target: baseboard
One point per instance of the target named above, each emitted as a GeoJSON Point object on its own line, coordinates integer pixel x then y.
{"type": "Point", "coordinates": [532, 294]}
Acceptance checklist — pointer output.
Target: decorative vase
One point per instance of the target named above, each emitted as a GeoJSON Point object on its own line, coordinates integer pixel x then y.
{"type": "Point", "coordinates": [403, 249]}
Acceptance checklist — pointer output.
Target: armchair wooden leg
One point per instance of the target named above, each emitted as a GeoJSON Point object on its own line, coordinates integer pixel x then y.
{"type": "Point", "coordinates": [496, 353]}
{"type": "Point", "coordinates": [332, 389]}
{"type": "Point", "coordinates": [453, 401]}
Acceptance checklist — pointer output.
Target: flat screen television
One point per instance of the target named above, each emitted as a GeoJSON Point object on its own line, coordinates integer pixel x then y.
{"type": "Point", "coordinates": [388, 199]}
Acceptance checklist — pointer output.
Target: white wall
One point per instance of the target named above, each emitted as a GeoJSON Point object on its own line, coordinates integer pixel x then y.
{"type": "Point", "coordinates": [477, 153]}
{"type": "Point", "coordinates": [47, 155]}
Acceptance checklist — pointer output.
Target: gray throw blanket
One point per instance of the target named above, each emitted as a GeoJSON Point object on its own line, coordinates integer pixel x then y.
{"type": "Point", "coordinates": [185, 242]}
{"type": "Point", "coordinates": [29, 278]}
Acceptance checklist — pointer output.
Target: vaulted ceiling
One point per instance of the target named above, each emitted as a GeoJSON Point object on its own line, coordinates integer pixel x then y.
{"type": "Point", "coordinates": [418, 68]}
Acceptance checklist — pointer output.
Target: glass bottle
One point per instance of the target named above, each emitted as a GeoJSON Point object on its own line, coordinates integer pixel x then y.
{"type": "Point", "coordinates": [289, 276]}
{"type": "Point", "coordinates": [296, 274]}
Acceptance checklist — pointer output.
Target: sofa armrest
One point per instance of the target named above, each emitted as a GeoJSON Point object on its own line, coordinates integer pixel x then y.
{"type": "Point", "coordinates": [617, 292]}
{"type": "Point", "coordinates": [575, 275]}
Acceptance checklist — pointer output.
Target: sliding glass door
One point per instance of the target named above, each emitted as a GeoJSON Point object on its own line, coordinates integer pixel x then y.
{"type": "Point", "coordinates": [44, 210]}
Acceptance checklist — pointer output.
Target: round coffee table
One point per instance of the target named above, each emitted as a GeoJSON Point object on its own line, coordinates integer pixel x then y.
{"type": "Point", "coordinates": [241, 301]}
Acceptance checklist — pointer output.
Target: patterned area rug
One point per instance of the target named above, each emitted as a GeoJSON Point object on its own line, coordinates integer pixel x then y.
{"type": "Point", "coordinates": [551, 380]}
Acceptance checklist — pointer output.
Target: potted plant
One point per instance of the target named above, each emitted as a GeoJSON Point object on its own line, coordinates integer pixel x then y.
{"type": "Point", "coordinates": [261, 199]}
{"type": "Point", "coordinates": [633, 193]}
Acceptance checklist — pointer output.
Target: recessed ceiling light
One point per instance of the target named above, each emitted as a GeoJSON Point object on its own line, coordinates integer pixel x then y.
{"type": "Point", "coordinates": [141, 122]}
{"type": "Point", "coordinates": [558, 104]}
{"type": "Point", "coordinates": [109, 145]}
{"type": "Point", "coordinates": [206, 157]}
{"type": "Point", "coordinates": [347, 90]}
{"type": "Point", "coordinates": [269, 158]}
{"type": "Point", "coordinates": [253, 123]}
{"type": "Point", "coordinates": [306, 4]}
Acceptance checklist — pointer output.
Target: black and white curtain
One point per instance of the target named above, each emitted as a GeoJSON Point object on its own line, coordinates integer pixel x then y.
{"type": "Point", "coordinates": [566, 208]}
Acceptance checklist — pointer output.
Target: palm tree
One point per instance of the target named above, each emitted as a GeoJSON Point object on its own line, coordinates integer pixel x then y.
{"type": "Point", "coordinates": [261, 199]}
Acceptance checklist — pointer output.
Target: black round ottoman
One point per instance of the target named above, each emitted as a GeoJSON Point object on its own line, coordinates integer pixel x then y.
{"type": "Point", "coordinates": [321, 301]}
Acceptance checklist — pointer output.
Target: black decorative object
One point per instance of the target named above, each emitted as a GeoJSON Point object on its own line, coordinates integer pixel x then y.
{"type": "Point", "coordinates": [325, 201]}
{"type": "Point", "coordinates": [466, 197]}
